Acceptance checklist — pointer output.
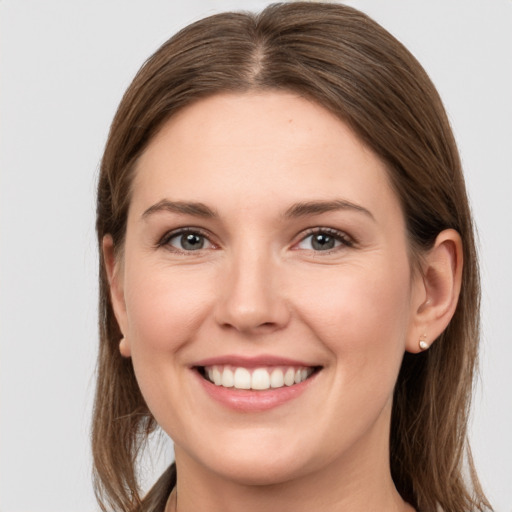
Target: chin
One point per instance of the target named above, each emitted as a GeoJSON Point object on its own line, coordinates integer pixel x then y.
{"type": "Point", "coordinates": [258, 466]}
{"type": "Point", "coordinates": [257, 473]}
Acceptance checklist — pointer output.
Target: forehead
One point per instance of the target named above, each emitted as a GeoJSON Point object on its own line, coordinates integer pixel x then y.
{"type": "Point", "coordinates": [273, 144]}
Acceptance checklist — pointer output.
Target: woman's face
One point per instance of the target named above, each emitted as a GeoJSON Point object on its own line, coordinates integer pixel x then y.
{"type": "Point", "coordinates": [265, 249]}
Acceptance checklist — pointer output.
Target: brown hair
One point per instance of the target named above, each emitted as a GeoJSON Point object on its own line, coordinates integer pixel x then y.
{"type": "Point", "coordinates": [341, 59]}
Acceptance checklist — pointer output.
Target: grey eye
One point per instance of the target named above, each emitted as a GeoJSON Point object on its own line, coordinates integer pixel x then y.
{"type": "Point", "coordinates": [320, 241]}
{"type": "Point", "coordinates": [189, 241]}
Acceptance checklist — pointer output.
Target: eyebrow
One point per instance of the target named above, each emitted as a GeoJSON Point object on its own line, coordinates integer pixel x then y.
{"type": "Point", "coordinates": [301, 209]}
{"type": "Point", "coordinates": [318, 207]}
{"type": "Point", "coordinates": [185, 208]}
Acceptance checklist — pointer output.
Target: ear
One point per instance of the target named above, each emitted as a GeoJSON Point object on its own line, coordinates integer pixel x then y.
{"type": "Point", "coordinates": [115, 279]}
{"type": "Point", "coordinates": [437, 290]}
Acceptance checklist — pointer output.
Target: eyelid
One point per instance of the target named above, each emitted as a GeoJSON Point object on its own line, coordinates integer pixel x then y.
{"type": "Point", "coordinates": [341, 236]}
{"type": "Point", "coordinates": [169, 235]}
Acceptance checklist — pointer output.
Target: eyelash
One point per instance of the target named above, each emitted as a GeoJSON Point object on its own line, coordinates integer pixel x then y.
{"type": "Point", "coordinates": [165, 240]}
{"type": "Point", "coordinates": [339, 236]}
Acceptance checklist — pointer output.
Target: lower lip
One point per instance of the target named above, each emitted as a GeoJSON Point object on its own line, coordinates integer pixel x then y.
{"type": "Point", "coordinates": [254, 401]}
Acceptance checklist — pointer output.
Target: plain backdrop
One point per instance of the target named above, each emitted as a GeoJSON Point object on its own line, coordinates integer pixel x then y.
{"type": "Point", "coordinates": [64, 66]}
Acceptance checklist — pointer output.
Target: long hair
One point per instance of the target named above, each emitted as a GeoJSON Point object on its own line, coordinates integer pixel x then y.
{"type": "Point", "coordinates": [339, 58]}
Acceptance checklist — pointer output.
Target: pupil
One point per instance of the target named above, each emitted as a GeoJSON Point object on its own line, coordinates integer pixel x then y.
{"type": "Point", "coordinates": [192, 242]}
{"type": "Point", "coordinates": [322, 242]}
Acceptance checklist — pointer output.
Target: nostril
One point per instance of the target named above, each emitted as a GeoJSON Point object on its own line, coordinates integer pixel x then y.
{"type": "Point", "coordinates": [255, 327]}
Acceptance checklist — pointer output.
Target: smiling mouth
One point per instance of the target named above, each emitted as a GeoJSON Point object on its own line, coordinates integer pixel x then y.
{"type": "Point", "coordinates": [259, 379]}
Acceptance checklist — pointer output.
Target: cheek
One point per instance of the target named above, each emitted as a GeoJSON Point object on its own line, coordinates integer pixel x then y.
{"type": "Point", "coordinates": [361, 315]}
{"type": "Point", "coordinates": [165, 307]}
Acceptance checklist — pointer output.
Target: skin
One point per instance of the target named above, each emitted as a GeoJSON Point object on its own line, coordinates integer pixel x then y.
{"type": "Point", "coordinates": [259, 286]}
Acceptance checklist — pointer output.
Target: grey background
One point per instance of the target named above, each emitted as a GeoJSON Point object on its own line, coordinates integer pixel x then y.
{"type": "Point", "coordinates": [64, 66]}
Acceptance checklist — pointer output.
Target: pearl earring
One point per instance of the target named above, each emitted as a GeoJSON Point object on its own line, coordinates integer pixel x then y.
{"type": "Point", "coordinates": [423, 342]}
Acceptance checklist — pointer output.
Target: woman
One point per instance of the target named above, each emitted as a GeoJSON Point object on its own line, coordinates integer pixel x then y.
{"type": "Point", "coordinates": [288, 281]}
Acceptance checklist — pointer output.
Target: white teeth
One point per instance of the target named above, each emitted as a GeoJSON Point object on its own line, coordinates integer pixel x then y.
{"type": "Point", "coordinates": [242, 378]}
{"type": "Point", "coordinates": [260, 379]}
{"type": "Point", "coordinates": [228, 380]}
{"type": "Point", "coordinates": [257, 379]}
{"type": "Point", "coordinates": [289, 377]}
{"type": "Point", "coordinates": [277, 378]}
{"type": "Point", "coordinates": [217, 376]}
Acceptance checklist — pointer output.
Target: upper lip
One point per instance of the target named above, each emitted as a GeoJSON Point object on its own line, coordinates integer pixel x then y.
{"type": "Point", "coordinates": [252, 361]}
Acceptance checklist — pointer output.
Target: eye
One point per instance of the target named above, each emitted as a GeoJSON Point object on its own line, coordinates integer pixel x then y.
{"type": "Point", "coordinates": [324, 240]}
{"type": "Point", "coordinates": [187, 241]}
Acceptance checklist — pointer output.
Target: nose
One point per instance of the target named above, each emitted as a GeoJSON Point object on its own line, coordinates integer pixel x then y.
{"type": "Point", "coordinates": [252, 299]}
